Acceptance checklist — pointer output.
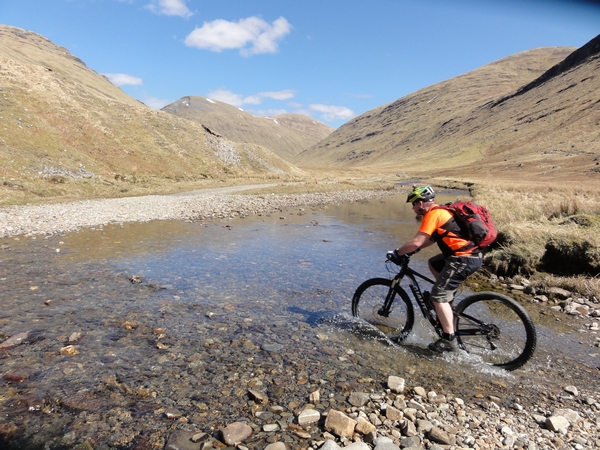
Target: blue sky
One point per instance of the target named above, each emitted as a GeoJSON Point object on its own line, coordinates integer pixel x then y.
{"type": "Point", "coordinates": [330, 59]}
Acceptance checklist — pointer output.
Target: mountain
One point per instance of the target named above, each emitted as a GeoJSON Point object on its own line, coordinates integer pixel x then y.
{"type": "Point", "coordinates": [285, 135]}
{"type": "Point", "coordinates": [65, 128]}
{"type": "Point", "coordinates": [537, 109]}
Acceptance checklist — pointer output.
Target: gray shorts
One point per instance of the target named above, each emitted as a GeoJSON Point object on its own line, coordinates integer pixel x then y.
{"type": "Point", "coordinates": [455, 270]}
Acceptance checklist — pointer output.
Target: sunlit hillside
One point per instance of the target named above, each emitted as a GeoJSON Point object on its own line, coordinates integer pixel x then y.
{"type": "Point", "coordinates": [67, 132]}
{"type": "Point", "coordinates": [483, 123]}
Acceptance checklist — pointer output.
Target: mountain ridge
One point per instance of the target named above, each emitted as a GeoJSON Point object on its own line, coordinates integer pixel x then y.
{"type": "Point", "coordinates": [450, 126]}
{"type": "Point", "coordinates": [286, 135]}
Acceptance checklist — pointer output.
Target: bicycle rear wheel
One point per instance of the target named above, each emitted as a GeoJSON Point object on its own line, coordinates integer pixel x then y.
{"type": "Point", "coordinates": [495, 328]}
{"type": "Point", "coordinates": [368, 303]}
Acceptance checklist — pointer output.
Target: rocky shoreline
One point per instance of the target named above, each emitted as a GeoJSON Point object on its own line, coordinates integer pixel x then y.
{"type": "Point", "coordinates": [197, 206]}
{"type": "Point", "coordinates": [405, 418]}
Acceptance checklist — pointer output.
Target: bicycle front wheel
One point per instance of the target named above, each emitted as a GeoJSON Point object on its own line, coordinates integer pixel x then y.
{"type": "Point", "coordinates": [495, 328]}
{"type": "Point", "coordinates": [369, 301]}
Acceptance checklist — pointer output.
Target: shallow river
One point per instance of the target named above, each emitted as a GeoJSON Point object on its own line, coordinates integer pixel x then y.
{"type": "Point", "coordinates": [182, 318]}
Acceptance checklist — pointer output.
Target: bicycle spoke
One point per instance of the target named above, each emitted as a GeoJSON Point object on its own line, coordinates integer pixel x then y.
{"type": "Point", "coordinates": [369, 305]}
{"type": "Point", "coordinates": [496, 329]}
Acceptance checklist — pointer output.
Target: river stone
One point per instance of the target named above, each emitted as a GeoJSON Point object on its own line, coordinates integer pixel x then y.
{"type": "Point", "coordinates": [258, 396]}
{"type": "Point", "coordinates": [410, 442]}
{"type": "Point", "coordinates": [417, 406]}
{"type": "Point", "coordinates": [15, 340]}
{"type": "Point", "coordinates": [314, 397]}
{"type": "Point", "coordinates": [182, 440]}
{"type": "Point", "coordinates": [330, 445]}
{"type": "Point", "coordinates": [509, 441]}
{"type": "Point", "coordinates": [420, 391]}
{"type": "Point", "coordinates": [272, 347]}
{"type": "Point", "coordinates": [408, 428]}
{"type": "Point", "coordinates": [235, 433]}
{"type": "Point", "coordinates": [571, 390]}
{"type": "Point", "coordinates": [358, 399]}
{"type": "Point", "coordinates": [277, 446]}
{"type": "Point", "coordinates": [75, 337]}
{"type": "Point", "coordinates": [400, 403]}
{"type": "Point", "coordinates": [340, 424]}
{"type": "Point", "coordinates": [562, 294]}
{"type": "Point", "coordinates": [173, 414]}
{"type": "Point", "coordinates": [424, 425]}
{"type": "Point", "coordinates": [440, 436]}
{"type": "Point", "coordinates": [16, 376]}
{"type": "Point", "coordinates": [396, 384]}
{"type": "Point", "coordinates": [387, 446]}
{"type": "Point", "coordinates": [308, 416]}
{"type": "Point", "coordinates": [381, 440]}
{"type": "Point", "coordinates": [557, 424]}
{"type": "Point", "coordinates": [364, 427]}
{"type": "Point", "coordinates": [357, 446]}
{"type": "Point", "coordinates": [569, 414]}
{"type": "Point", "coordinates": [540, 419]}
{"type": "Point", "coordinates": [302, 434]}
{"type": "Point", "coordinates": [393, 413]}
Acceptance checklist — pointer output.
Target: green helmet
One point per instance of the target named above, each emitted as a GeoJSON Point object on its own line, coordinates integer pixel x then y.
{"type": "Point", "coordinates": [425, 193]}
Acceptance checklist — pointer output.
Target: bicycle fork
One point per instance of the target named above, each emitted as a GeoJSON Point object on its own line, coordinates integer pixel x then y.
{"type": "Point", "coordinates": [389, 299]}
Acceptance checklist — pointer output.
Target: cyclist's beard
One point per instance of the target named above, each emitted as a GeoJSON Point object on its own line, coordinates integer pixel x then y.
{"type": "Point", "coordinates": [420, 213]}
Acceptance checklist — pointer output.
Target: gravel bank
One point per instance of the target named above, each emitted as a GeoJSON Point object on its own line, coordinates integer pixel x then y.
{"type": "Point", "coordinates": [409, 418]}
{"type": "Point", "coordinates": [199, 205]}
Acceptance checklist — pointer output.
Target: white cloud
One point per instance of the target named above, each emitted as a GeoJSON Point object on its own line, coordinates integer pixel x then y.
{"type": "Point", "coordinates": [226, 96]}
{"type": "Point", "coordinates": [331, 112]}
{"type": "Point", "coordinates": [170, 8]}
{"type": "Point", "coordinates": [256, 99]}
{"type": "Point", "coordinates": [286, 94]}
{"type": "Point", "coordinates": [251, 35]}
{"type": "Point", "coordinates": [122, 79]}
{"type": "Point", "coordinates": [269, 112]}
{"type": "Point", "coordinates": [156, 103]}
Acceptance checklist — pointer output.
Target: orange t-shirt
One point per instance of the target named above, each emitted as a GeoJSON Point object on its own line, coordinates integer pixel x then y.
{"type": "Point", "coordinates": [440, 225]}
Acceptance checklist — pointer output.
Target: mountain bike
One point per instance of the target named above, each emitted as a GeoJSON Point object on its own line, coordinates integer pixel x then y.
{"type": "Point", "coordinates": [489, 325]}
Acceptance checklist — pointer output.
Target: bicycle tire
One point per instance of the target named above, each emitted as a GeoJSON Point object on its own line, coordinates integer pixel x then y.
{"type": "Point", "coordinates": [511, 339]}
{"type": "Point", "coordinates": [369, 299]}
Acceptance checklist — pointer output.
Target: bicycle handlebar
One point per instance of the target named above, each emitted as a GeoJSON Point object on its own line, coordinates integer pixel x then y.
{"type": "Point", "coordinates": [400, 259]}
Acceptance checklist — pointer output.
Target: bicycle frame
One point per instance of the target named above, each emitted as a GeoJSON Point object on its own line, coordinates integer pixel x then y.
{"type": "Point", "coordinates": [426, 306]}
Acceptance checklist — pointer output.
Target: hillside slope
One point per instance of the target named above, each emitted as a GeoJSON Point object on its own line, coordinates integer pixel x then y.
{"type": "Point", "coordinates": [434, 128]}
{"type": "Point", "coordinates": [286, 135]}
{"type": "Point", "coordinates": [65, 128]}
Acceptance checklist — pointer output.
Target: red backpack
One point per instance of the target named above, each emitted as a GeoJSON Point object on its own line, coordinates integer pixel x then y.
{"type": "Point", "coordinates": [476, 220]}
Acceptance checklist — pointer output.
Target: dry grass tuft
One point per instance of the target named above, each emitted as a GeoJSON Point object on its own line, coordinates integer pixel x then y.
{"type": "Point", "coordinates": [552, 229]}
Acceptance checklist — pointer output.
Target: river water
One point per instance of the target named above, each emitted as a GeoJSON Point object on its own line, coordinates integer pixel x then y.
{"type": "Point", "coordinates": [129, 326]}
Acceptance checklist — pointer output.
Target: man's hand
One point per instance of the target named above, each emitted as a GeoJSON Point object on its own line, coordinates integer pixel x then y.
{"type": "Point", "coordinates": [394, 257]}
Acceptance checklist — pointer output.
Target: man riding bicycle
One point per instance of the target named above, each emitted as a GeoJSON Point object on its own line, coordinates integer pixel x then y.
{"type": "Point", "coordinates": [459, 258]}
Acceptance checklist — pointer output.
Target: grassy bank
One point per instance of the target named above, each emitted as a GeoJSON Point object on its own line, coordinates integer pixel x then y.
{"type": "Point", "coordinates": [548, 232]}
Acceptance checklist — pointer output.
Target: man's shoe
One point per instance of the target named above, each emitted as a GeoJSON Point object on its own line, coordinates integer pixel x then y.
{"type": "Point", "coordinates": [443, 345]}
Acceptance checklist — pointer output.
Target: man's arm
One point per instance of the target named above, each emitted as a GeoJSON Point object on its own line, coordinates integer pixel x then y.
{"type": "Point", "coordinates": [420, 240]}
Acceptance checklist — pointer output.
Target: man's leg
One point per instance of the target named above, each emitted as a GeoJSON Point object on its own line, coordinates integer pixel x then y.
{"type": "Point", "coordinates": [455, 271]}
{"type": "Point", "coordinates": [444, 313]}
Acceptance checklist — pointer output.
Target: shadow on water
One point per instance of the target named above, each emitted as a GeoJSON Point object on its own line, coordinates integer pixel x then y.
{"type": "Point", "coordinates": [126, 323]}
